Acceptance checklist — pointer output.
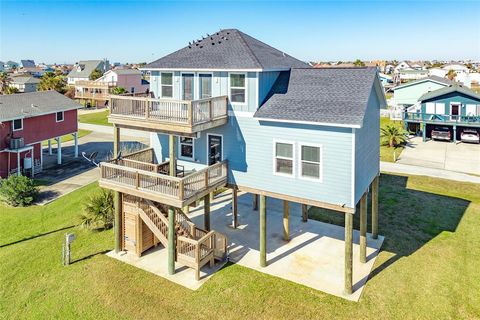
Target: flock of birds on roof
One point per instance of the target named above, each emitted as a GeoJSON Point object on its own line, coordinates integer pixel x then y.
{"type": "Point", "coordinates": [198, 43]}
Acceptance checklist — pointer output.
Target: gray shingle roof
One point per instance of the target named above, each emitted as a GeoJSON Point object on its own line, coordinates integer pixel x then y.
{"type": "Point", "coordinates": [127, 71]}
{"type": "Point", "coordinates": [26, 105]}
{"type": "Point", "coordinates": [447, 90]}
{"type": "Point", "coordinates": [336, 96]}
{"type": "Point", "coordinates": [87, 68]}
{"type": "Point", "coordinates": [25, 80]}
{"type": "Point", "coordinates": [227, 49]}
{"type": "Point", "coordinates": [445, 81]}
{"type": "Point", "coordinates": [28, 63]}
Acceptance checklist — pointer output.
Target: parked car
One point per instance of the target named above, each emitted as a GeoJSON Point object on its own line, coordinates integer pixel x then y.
{"type": "Point", "coordinates": [470, 135]}
{"type": "Point", "coordinates": [441, 133]}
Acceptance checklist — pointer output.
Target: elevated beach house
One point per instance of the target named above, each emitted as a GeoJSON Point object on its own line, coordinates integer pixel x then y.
{"type": "Point", "coordinates": [231, 111]}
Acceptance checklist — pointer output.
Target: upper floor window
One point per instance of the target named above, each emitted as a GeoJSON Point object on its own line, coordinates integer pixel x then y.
{"type": "Point", "coordinates": [59, 116]}
{"type": "Point", "coordinates": [310, 162]}
{"type": "Point", "coordinates": [205, 84]}
{"type": "Point", "coordinates": [17, 124]}
{"type": "Point", "coordinates": [186, 148]}
{"type": "Point", "coordinates": [237, 88]}
{"type": "Point", "coordinates": [284, 158]}
{"type": "Point", "coordinates": [166, 85]}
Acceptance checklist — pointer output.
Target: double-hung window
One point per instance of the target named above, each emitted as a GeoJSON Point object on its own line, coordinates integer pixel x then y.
{"type": "Point", "coordinates": [284, 158]}
{"type": "Point", "coordinates": [237, 88]}
{"type": "Point", "coordinates": [205, 85]}
{"type": "Point", "coordinates": [166, 82]}
{"type": "Point", "coordinates": [17, 124]}
{"type": "Point", "coordinates": [186, 148]}
{"type": "Point", "coordinates": [59, 116]}
{"type": "Point", "coordinates": [310, 162]}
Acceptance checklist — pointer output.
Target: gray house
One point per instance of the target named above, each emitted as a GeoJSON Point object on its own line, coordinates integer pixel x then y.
{"type": "Point", "coordinates": [25, 84]}
{"type": "Point", "coordinates": [83, 69]}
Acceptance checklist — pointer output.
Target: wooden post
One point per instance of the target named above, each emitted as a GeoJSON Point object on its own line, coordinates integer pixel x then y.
{"type": "Point", "coordinates": [375, 208]}
{"type": "Point", "coordinates": [286, 227]}
{"type": "Point", "coordinates": [171, 240]}
{"type": "Point", "coordinates": [172, 144]}
{"type": "Point", "coordinates": [424, 131]}
{"type": "Point", "coordinates": [304, 213]}
{"type": "Point", "coordinates": [363, 228]}
{"type": "Point", "coordinates": [206, 212]}
{"type": "Point", "coordinates": [212, 196]}
{"type": "Point", "coordinates": [255, 202]}
{"type": "Point", "coordinates": [234, 208]}
{"type": "Point", "coordinates": [117, 196]}
{"type": "Point", "coordinates": [263, 231]}
{"type": "Point", "coordinates": [348, 253]}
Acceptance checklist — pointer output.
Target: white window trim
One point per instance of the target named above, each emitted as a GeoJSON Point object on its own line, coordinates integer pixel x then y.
{"type": "Point", "coordinates": [198, 83]}
{"type": "Point", "coordinates": [246, 89]}
{"type": "Point", "coordinates": [208, 147]}
{"type": "Point", "coordinates": [180, 150]}
{"type": "Point", "coordinates": [161, 85]}
{"type": "Point", "coordinates": [194, 84]}
{"type": "Point", "coordinates": [274, 158]}
{"type": "Point", "coordinates": [63, 116]}
{"type": "Point", "coordinates": [13, 125]}
{"type": "Point", "coordinates": [302, 144]}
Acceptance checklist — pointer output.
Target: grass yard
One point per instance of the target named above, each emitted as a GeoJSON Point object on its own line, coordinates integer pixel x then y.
{"type": "Point", "coordinates": [428, 268]}
{"type": "Point", "coordinates": [99, 118]}
{"type": "Point", "coordinates": [68, 137]}
{"type": "Point", "coordinates": [386, 153]}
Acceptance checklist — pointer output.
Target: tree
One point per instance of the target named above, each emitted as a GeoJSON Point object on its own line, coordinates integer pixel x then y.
{"type": "Point", "coordinates": [393, 135]}
{"type": "Point", "coordinates": [10, 90]}
{"type": "Point", "coordinates": [436, 65]}
{"type": "Point", "coordinates": [50, 81]}
{"type": "Point", "coordinates": [4, 81]}
{"type": "Point", "coordinates": [99, 211]}
{"type": "Point", "coordinates": [359, 63]}
{"type": "Point", "coordinates": [451, 74]}
{"type": "Point", "coordinates": [118, 90]}
{"type": "Point", "coordinates": [97, 73]}
{"type": "Point", "coordinates": [18, 190]}
{"type": "Point", "coordinates": [70, 92]}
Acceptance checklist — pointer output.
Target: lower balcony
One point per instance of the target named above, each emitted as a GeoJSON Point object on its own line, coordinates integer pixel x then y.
{"type": "Point", "coordinates": [442, 119]}
{"type": "Point", "coordinates": [137, 174]}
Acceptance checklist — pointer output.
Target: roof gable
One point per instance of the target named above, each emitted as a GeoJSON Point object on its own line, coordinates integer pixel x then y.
{"type": "Point", "coordinates": [84, 68]}
{"type": "Point", "coordinates": [227, 49]}
{"type": "Point", "coordinates": [435, 79]}
{"type": "Point", "coordinates": [447, 90]}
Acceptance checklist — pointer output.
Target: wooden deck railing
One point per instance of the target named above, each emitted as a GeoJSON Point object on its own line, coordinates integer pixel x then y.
{"type": "Point", "coordinates": [95, 84]}
{"type": "Point", "coordinates": [172, 111]}
{"type": "Point", "coordinates": [441, 118]}
{"type": "Point", "coordinates": [132, 174]}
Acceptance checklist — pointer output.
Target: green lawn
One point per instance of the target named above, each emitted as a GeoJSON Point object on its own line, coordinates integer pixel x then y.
{"type": "Point", "coordinates": [68, 137]}
{"type": "Point", "coordinates": [386, 153]}
{"type": "Point", "coordinates": [428, 267]}
{"type": "Point", "coordinates": [95, 118]}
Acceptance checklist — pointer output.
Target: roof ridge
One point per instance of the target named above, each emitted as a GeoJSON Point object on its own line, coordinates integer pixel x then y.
{"type": "Point", "coordinates": [250, 51]}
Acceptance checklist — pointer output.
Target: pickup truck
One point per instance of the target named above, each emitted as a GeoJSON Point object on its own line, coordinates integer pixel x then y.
{"type": "Point", "coordinates": [441, 133]}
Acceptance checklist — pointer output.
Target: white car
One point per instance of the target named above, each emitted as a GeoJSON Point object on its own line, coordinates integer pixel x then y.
{"type": "Point", "coordinates": [470, 135]}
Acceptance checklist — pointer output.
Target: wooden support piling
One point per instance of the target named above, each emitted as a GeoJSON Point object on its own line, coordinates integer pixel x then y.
{"type": "Point", "coordinates": [375, 208]}
{"type": "Point", "coordinates": [117, 196]}
{"type": "Point", "coordinates": [172, 146]}
{"type": "Point", "coordinates": [348, 253]}
{"type": "Point", "coordinates": [234, 208]}
{"type": "Point", "coordinates": [255, 202]}
{"type": "Point", "coordinates": [304, 213]}
{"type": "Point", "coordinates": [263, 231]}
{"type": "Point", "coordinates": [171, 240]}
{"type": "Point", "coordinates": [363, 228]}
{"type": "Point", "coordinates": [206, 212]}
{"type": "Point", "coordinates": [286, 217]}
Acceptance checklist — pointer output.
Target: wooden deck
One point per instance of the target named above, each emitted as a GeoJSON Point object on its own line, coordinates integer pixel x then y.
{"type": "Point", "coordinates": [168, 116]}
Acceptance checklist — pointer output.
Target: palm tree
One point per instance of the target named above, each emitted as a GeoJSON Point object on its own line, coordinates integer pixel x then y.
{"type": "Point", "coordinates": [359, 63]}
{"type": "Point", "coordinates": [393, 135]}
{"type": "Point", "coordinates": [10, 90]}
{"type": "Point", "coordinates": [97, 73]}
{"type": "Point", "coordinates": [451, 74]}
{"type": "Point", "coordinates": [98, 210]}
{"type": "Point", "coordinates": [118, 90]}
{"type": "Point", "coordinates": [4, 81]}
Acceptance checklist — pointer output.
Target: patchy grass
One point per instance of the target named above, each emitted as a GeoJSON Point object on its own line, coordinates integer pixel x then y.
{"type": "Point", "coordinates": [100, 118]}
{"type": "Point", "coordinates": [428, 267]}
{"type": "Point", "coordinates": [386, 153]}
{"type": "Point", "coordinates": [68, 137]}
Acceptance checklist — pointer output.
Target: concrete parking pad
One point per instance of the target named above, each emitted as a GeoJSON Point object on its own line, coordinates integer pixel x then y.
{"type": "Point", "coordinates": [314, 256]}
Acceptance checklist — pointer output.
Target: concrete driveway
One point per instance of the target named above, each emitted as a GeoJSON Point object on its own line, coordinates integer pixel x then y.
{"type": "Point", "coordinates": [461, 157]}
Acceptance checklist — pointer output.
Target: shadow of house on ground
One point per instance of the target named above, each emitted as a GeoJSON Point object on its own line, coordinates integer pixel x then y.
{"type": "Point", "coordinates": [407, 218]}
{"type": "Point", "coordinates": [36, 236]}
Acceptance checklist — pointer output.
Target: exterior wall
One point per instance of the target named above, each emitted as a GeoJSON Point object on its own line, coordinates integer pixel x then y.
{"type": "Point", "coordinates": [25, 87]}
{"type": "Point", "coordinates": [454, 97]}
{"type": "Point", "coordinates": [72, 80]}
{"type": "Point", "coordinates": [132, 81]}
{"type": "Point", "coordinates": [265, 83]}
{"type": "Point", "coordinates": [410, 94]}
{"type": "Point", "coordinates": [248, 145]}
{"type": "Point", "coordinates": [8, 161]}
{"type": "Point", "coordinates": [367, 147]}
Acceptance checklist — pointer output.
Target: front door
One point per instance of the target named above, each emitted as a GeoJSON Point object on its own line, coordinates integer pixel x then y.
{"type": "Point", "coordinates": [214, 149]}
{"type": "Point", "coordinates": [455, 111]}
{"type": "Point", "coordinates": [187, 86]}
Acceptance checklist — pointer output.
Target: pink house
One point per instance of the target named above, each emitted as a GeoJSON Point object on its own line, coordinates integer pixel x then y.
{"type": "Point", "coordinates": [129, 79]}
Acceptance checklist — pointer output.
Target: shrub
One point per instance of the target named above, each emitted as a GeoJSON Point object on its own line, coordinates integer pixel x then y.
{"type": "Point", "coordinates": [18, 190]}
{"type": "Point", "coordinates": [393, 135]}
{"type": "Point", "coordinates": [99, 211]}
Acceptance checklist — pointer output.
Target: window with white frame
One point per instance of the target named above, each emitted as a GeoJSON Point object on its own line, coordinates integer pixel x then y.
{"type": "Point", "coordinates": [166, 85]}
{"type": "Point", "coordinates": [237, 88]}
{"type": "Point", "coordinates": [310, 162]}
{"type": "Point", "coordinates": [17, 124]}
{"type": "Point", "coordinates": [186, 148]}
{"type": "Point", "coordinates": [284, 158]}
{"type": "Point", "coordinates": [59, 116]}
{"type": "Point", "coordinates": [205, 85]}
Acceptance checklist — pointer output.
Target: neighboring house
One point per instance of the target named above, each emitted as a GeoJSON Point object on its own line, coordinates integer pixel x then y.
{"type": "Point", "coordinates": [407, 95]}
{"type": "Point", "coordinates": [11, 65]}
{"type": "Point", "coordinates": [385, 78]}
{"type": "Point", "coordinates": [2, 66]}
{"type": "Point", "coordinates": [406, 75]}
{"type": "Point", "coordinates": [25, 84]}
{"type": "Point", "coordinates": [229, 110]}
{"type": "Point", "coordinates": [82, 70]}
{"type": "Point", "coordinates": [418, 65]}
{"type": "Point", "coordinates": [27, 64]}
{"type": "Point", "coordinates": [28, 119]}
{"type": "Point", "coordinates": [98, 92]}
{"type": "Point", "coordinates": [402, 66]}
{"type": "Point", "coordinates": [454, 106]}
{"type": "Point", "coordinates": [389, 68]}
{"type": "Point", "coordinates": [458, 68]}
{"type": "Point", "coordinates": [437, 72]}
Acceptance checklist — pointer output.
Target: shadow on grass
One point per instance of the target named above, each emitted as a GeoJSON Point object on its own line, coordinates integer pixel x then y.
{"type": "Point", "coordinates": [90, 256]}
{"type": "Point", "coordinates": [407, 218]}
{"type": "Point", "coordinates": [36, 236]}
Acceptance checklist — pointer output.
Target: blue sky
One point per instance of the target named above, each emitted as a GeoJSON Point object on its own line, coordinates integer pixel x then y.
{"type": "Point", "coordinates": [135, 31]}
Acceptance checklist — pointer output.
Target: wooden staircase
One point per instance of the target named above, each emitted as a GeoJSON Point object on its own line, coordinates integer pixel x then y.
{"type": "Point", "coordinates": [195, 247]}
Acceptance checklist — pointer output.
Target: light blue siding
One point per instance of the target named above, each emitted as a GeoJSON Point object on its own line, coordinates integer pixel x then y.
{"type": "Point", "coordinates": [453, 97]}
{"type": "Point", "coordinates": [367, 147]}
{"type": "Point", "coordinates": [265, 83]}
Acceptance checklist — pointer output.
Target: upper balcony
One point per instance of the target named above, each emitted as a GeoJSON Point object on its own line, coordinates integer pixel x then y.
{"type": "Point", "coordinates": [442, 119]}
{"type": "Point", "coordinates": [181, 117]}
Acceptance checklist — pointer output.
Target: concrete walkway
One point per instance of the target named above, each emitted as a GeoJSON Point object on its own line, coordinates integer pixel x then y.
{"type": "Point", "coordinates": [429, 172]}
{"type": "Point", "coordinates": [109, 130]}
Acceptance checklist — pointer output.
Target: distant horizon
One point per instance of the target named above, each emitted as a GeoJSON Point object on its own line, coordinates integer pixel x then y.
{"type": "Point", "coordinates": [310, 31]}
